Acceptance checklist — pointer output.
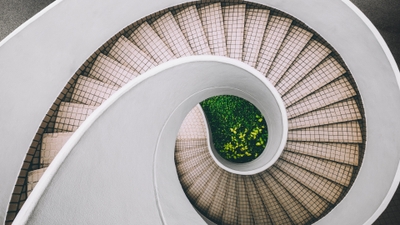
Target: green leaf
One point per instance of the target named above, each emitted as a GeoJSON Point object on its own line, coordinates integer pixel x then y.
{"type": "Point", "coordinates": [231, 119]}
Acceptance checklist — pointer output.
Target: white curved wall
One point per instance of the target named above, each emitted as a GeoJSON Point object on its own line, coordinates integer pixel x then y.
{"type": "Point", "coordinates": [109, 176]}
{"type": "Point", "coordinates": [38, 61]}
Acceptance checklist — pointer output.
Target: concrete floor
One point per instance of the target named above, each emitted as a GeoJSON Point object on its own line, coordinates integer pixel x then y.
{"type": "Point", "coordinates": [15, 12]}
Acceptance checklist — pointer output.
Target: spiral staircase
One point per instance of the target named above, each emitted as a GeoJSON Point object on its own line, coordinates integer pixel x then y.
{"type": "Point", "coordinates": [327, 127]}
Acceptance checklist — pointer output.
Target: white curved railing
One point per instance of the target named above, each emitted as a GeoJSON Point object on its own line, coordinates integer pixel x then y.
{"type": "Point", "coordinates": [51, 48]}
{"type": "Point", "coordinates": [207, 75]}
{"type": "Point", "coordinates": [276, 118]}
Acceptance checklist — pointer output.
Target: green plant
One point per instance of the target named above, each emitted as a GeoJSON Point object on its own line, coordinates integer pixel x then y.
{"type": "Point", "coordinates": [239, 131]}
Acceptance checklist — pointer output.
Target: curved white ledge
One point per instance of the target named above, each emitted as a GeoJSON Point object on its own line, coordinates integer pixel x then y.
{"type": "Point", "coordinates": [123, 123]}
{"type": "Point", "coordinates": [270, 104]}
{"type": "Point", "coordinates": [50, 49]}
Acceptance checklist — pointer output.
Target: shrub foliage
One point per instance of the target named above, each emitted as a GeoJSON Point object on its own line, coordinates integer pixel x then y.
{"type": "Point", "coordinates": [238, 129]}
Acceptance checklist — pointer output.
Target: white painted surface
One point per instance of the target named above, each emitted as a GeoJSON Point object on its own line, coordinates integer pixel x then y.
{"type": "Point", "coordinates": [121, 158]}
{"type": "Point", "coordinates": [37, 62]}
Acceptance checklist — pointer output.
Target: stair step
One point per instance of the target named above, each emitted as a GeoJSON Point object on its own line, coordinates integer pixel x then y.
{"type": "Point", "coordinates": [234, 19]}
{"type": "Point", "coordinates": [295, 41]}
{"type": "Point", "coordinates": [243, 205]}
{"type": "Point", "coordinates": [256, 22]}
{"type": "Point", "coordinates": [71, 115]}
{"type": "Point", "coordinates": [229, 215]}
{"type": "Point", "coordinates": [297, 213]}
{"type": "Point", "coordinates": [128, 54]}
{"type": "Point", "coordinates": [323, 187]}
{"type": "Point", "coordinates": [33, 178]}
{"type": "Point", "coordinates": [111, 72]}
{"type": "Point", "coordinates": [336, 91]}
{"type": "Point", "coordinates": [349, 132]}
{"type": "Point", "coordinates": [193, 126]}
{"type": "Point", "coordinates": [338, 152]}
{"type": "Point", "coordinates": [339, 173]}
{"type": "Point", "coordinates": [188, 149]}
{"type": "Point", "coordinates": [195, 187]}
{"type": "Point", "coordinates": [258, 212]}
{"type": "Point", "coordinates": [308, 59]}
{"type": "Point", "coordinates": [192, 162]}
{"type": "Point", "coordinates": [91, 92]}
{"type": "Point", "coordinates": [148, 41]}
{"type": "Point", "coordinates": [216, 209]}
{"type": "Point", "coordinates": [168, 30]}
{"type": "Point", "coordinates": [311, 201]}
{"type": "Point", "coordinates": [190, 24]}
{"type": "Point", "coordinates": [273, 208]}
{"type": "Point", "coordinates": [274, 35]}
{"type": "Point", "coordinates": [336, 113]}
{"type": "Point", "coordinates": [207, 189]}
{"type": "Point", "coordinates": [323, 74]}
{"type": "Point", "coordinates": [213, 25]}
{"type": "Point", "coordinates": [193, 172]}
{"type": "Point", "coordinates": [51, 145]}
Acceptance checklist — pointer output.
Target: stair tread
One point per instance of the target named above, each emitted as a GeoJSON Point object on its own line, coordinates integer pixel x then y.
{"type": "Point", "coordinates": [325, 188]}
{"type": "Point", "coordinates": [213, 25]}
{"type": "Point", "coordinates": [51, 145]}
{"type": "Point", "coordinates": [337, 172]}
{"type": "Point", "coordinates": [75, 106]}
{"type": "Point", "coordinates": [208, 189]}
{"type": "Point", "coordinates": [256, 22]}
{"type": "Point", "coordinates": [229, 215]}
{"type": "Point", "coordinates": [148, 41]}
{"type": "Point", "coordinates": [91, 92]}
{"type": "Point", "coordinates": [274, 35]}
{"type": "Point", "coordinates": [292, 45]}
{"type": "Point", "coordinates": [216, 209]}
{"type": "Point", "coordinates": [274, 209]}
{"type": "Point", "coordinates": [130, 55]}
{"type": "Point", "coordinates": [195, 187]}
{"type": "Point", "coordinates": [183, 153]}
{"type": "Point", "coordinates": [244, 212]}
{"type": "Point", "coordinates": [168, 30]}
{"type": "Point", "coordinates": [33, 178]}
{"type": "Point", "coordinates": [71, 115]}
{"type": "Point", "coordinates": [258, 212]}
{"type": "Point", "coordinates": [323, 74]}
{"type": "Point", "coordinates": [197, 169]}
{"type": "Point", "coordinates": [343, 111]}
{"type": "Point", "coordinates": [191, 27]}
{"type": "Point", "coordinates": [193, 162]}
{"type": "Point", "coordinates": [338, 152]}
{"type": "Point", "coordinates": [110, 71]}
{"type": "Point", "coordinates": [190, 154]}
{"type": "Point", "coordinates": [348, 132]}
{"type": "Point", "coordinates": [309, 58]}
{"type": "Point", "coordinates": [234, 20]}
{"type": "Point", "coordinates": [297, 213]}
{"type": "Point", "coordinates": [311, 201]}
{"type": "Point", "coordinates": [194, 125]}
{"type": "Point", "coordinates": [335, 91]}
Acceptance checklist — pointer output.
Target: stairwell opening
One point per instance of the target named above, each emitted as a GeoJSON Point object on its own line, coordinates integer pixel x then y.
{"type": "Point", "coordinates": [238, 130]}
